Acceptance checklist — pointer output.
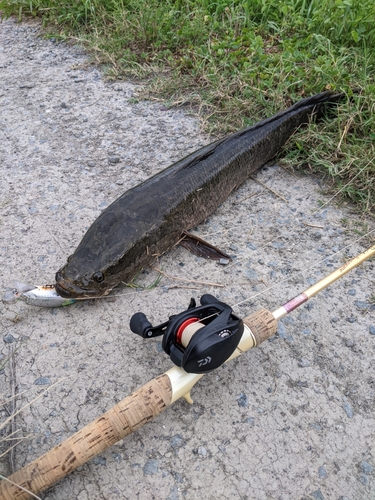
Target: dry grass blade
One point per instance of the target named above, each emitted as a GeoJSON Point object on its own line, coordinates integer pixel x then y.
{"type": "Point", "coordinates": [312, 225]}
{"type": "Point", "coordinates": [20, 487]}
{"type": "Point", "coordinates": [348, 183]}
{"type": "Point", "coordinates": [345, 132]}
{"type": "Point", "coordinates": [289, 171]}
{"type": "Point", "coordinates": [238, 62]}
{"type": "Point", "coordinates": [12, 427]}
{"type": "Point", "coordinates": [269, 189]}
{"type": "Point", "coordinates": [18, 439]}
{"type": "Point", "coordinates": [6, 401]}
{"type": "Point", "coordinates": [12, 435]}
{"type": "Point", "coordinates": [187, 279]}
{"type": "Point", "coordinates": [318, 263]}
{"type": "Point", "coordinates": [6, 422]}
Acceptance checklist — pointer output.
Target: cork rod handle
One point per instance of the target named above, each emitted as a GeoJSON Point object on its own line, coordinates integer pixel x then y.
{"type": "Point", "coordinates": [262, 324]}
{"type": "Point", "coordinates": [125, 417]}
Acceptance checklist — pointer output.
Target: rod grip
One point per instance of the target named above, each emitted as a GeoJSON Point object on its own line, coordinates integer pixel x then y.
{"type": "Point", "coordinates": [125, 417]}
{"type": "Point", "coordinates": [262, 324]}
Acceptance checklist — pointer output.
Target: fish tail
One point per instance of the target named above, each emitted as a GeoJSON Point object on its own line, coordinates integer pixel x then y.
{"type": "Point", "coordinates": [319, 103]}
{"type": "Point", "coordinates": [314, 106]}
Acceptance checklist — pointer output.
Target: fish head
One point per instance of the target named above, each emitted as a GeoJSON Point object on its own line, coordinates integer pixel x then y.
{"type": "Point", "coordinates": [69, 290]}
{"type": "Point", "coordinates": [111, 252]}
{"type": "Point", "coordinates": [81, 278]}
{"type": "Point", "coordinates": [85, 287]}
{"type": "Point", "coordinates": [88, 272]}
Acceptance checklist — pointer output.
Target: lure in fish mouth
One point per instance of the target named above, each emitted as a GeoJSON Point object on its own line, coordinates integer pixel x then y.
{"type": "Point", "coordinates": [92, 286]}
{"type": "Point", "coordinates": [68, 290]}
{"type": "Point", "coordinates": [42, 296]}
{"type": "Point", "coordinates": [149, 219]}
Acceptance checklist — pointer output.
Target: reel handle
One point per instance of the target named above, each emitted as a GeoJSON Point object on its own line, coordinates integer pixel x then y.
{"type": "Point", "coordinates": [140, 325]}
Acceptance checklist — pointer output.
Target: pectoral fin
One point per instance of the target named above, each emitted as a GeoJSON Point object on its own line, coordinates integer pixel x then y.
{"type": "Point", "coordinates": [202, 248]}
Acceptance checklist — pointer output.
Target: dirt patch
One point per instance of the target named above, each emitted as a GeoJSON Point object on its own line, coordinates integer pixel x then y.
{"type": "Point", "coordinates": [291, 419]}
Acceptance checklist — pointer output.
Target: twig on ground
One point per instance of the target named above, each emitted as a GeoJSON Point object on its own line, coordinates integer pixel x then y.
{"type": "Point", "coordinates": [344, 133]}
{"type": "Point", "coordinates": [12, 426]}
{"type": "Point", "coordinates": [91, 104]}
{"type": "Point", "coordinates": [289, 171]}
{"type": "Point", "coordinates": [187, 279]}
{"type": "Point", "coordinates": [244, 199]}
{"type": "Point", "coordinates": [269, 189]}
{"type": "Point", "coordinates": [313, 225]}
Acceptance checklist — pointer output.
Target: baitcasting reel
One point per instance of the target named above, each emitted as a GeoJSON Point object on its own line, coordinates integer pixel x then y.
{"type": "Point", "coordinates": [199, 339]}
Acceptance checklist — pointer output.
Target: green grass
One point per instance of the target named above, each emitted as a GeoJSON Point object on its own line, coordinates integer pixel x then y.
{"type": "Point", "coordinates": [235, 62]}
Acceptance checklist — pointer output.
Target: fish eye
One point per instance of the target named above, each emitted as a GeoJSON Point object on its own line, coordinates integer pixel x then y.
{"type": "Point", "coordinates": [98, 277]}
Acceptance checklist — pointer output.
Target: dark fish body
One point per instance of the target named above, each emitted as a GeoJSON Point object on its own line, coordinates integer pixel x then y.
{"type": "Point", "coordinates": [149, 219]}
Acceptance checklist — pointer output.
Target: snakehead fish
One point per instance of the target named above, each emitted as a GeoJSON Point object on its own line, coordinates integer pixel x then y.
{"type": "Point", "coordinates": [149, 219]}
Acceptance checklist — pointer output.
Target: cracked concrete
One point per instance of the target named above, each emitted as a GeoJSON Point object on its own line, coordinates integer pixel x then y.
{"type": "Point", "coordinates": [292, 419]}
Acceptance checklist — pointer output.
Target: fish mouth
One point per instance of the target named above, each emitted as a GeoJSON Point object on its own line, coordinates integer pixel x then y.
{"type": "Point", "coordinates": [68, 290]}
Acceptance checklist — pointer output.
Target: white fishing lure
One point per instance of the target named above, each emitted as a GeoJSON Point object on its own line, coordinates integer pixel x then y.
{"type": "Point", "coordinates": [42, 296]}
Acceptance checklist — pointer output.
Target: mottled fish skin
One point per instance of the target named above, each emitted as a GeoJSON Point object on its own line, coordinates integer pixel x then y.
{"type": "Point", "coordinates": [148, 219]}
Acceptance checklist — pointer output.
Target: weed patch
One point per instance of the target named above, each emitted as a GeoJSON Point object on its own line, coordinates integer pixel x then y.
{"type": "Point", "coordinates": [234, 62]}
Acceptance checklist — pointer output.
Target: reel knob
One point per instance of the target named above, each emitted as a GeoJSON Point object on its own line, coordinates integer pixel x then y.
{"type": "Point", "coordinates": [140, 325]}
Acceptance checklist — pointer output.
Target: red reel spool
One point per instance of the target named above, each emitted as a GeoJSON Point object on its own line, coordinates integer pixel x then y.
{"type": "Point", "coordinates": [182, 327]}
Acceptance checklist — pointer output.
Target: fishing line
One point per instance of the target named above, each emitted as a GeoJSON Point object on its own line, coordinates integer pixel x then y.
{"type": "Point", "coordinates": [308, 253]}
{"type": "Point", "coordinates": [272, 286]}
{"type": "Point", "coordinates": [303, 270]}
{"type": "Point", "coordinates": [347, 184]}
{"type": "Point", "coordinates": [296, 220]}
{"type": "Point", "coordinates": [283, 281]}
{"type": "Point", "coordinates": [298, 272]}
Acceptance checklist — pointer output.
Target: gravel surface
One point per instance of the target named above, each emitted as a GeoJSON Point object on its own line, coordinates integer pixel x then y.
{"type": "Point", "coordinates": [292, 419]}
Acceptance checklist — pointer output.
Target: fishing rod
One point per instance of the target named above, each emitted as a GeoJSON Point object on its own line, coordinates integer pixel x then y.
{"type": "Point", "coordinates": [197, 340]}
